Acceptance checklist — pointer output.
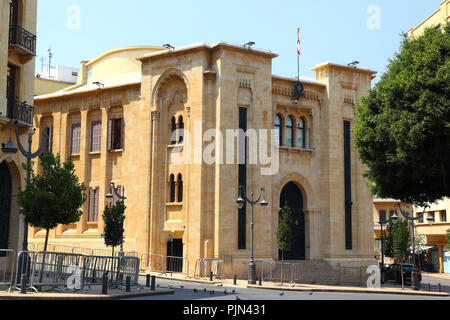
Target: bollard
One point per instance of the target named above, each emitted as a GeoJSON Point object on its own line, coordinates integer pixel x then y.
{"type": "Point", "coordinates": [260, 281]}
{"type": "Point", "coordinates": [153, 283]}
{"type": "Point", "coordinates": [235, 280]}
{"type": "Point", "coordinates": [23, 284]}
{"type": "Point", "coordinates": [105, 284]}
{"type": "Point", "coordinates": [128, 284]}
{"type": "Point", "coordinates": [429, 287]}
{"type": "Point", "coordinates": [439, 287]}
{"type": "Point", "coordinates": [211, 276]}
{"type": "Point", "coordinates": [147, 284]}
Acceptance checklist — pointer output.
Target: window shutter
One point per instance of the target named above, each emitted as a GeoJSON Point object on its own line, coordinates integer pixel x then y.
{"type": "Point", "coordinates": [122, 133]}
{"type": "Point", "coordinates": [50, 140]}
{"type": "Point", "coordinates": [110, 133]}
{"type": "Point", "coordinates": [91, 205]}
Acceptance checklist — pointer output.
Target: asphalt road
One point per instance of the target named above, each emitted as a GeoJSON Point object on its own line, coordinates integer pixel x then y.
{"type": "Point", "coordinates": [185, 291]}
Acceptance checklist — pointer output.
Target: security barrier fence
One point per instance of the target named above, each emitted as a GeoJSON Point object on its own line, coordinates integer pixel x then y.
{"type": "Point", "coordinates": [79, 250]}
{"type": "Point", "coordinates": [315, 274]}
{"type": "Point", "coordinates": [7, 259]}
{"type": "Point", "coordinates": [153, 263]}
{"type": "Point", "coordinates": [205, 268]}
{"type": "Point", "coordinates": [61, 271]}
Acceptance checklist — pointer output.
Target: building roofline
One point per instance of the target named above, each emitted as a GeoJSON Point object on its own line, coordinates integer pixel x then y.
{"type": "Point", "coordinates": [302, 80]}
{"type": "Point", "coordinates": [204, 45]}
{"type": "Point", "coordinates": [62, 94]}
{"type": "Point", "coordinates": [110, 52]}
{"type": "Point", "coordinates": [343, 66]}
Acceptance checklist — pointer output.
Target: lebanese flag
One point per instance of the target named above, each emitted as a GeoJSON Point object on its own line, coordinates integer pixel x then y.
{"type": "Point", "coordinates": [298, 42]}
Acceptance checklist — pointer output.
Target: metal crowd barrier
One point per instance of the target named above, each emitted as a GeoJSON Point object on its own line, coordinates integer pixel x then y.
{"type": "Point", "coordinates": [177, 265]}
{"type": "Point", "coordinates": [153, 263]}
{"type": "Point", "coordinates": [129, 267]}
{"type": "Point", "coordinates": [95, 267]}
{"type": "Point", "coordinates": [7, 259]}
{"type": "Point", "coordinates": [24, 266]}
{"type": "Point", "coordinates": [204, 267]}
{"type": "Point", "coordinates": [53, 269]}
{"type": "Point", "coordinates": [82, 251]}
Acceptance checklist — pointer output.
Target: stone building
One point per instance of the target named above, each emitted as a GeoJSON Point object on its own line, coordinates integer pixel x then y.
{"type": "Point", "coordinates": [17, 51]}
{"type": "Point", "coordinates": [164, 124]}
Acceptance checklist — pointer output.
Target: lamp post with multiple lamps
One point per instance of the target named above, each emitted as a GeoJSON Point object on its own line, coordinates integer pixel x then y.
{"type": "Point", "coordinates": [241, 201]}
{"type": "Point", "coordinates": [110, 196]}
{"type": "Point", "coordinates": [10, 149]}
{"type": "Point", "coordinates": [415, 284]}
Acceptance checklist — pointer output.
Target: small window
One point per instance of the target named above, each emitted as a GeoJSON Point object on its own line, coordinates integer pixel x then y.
{"type": "Point", "coordinates": [96, 136]}
{"type": "Point", "coordinates": [49, 140]}
{"type": "Point", "coordinates": [382, 215]}
{"type": "Point", "coordinates": [93, 205]}
{"type": "Point", "coordinates": [301, 133]}
{"type": "Point", "coordinates": [116, 132]}
{"type": "Point", "coordinates": [180, 188]}
{"type": "Point", "coordinates": [290, 132]}
{"type": "Point", "coordinates": [444, 216]}
{"type": "Point", "coordinates": [278, 133]}
{"type": "Point", "coordinates": [76, 138]}
{"type": "Point", "coordinates": [172, 188]}
{"type": "Point", "coordinates": [173, 131]}
{"type": "Point", "coordinates": [180, 130]}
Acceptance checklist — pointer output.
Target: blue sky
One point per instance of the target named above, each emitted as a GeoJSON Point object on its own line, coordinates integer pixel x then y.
{"type": "Point", "coordinates": [335, 31]}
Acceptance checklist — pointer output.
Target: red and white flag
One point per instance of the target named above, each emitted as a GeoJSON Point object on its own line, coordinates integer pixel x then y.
{"type": "Point", "coordinates": [298, 42]}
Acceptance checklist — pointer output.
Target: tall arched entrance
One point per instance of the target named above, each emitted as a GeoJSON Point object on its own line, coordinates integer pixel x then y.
{"type": "Point", "coordinates": [5, 205]}
{"type": "Point", "coordinates": [292, 195]}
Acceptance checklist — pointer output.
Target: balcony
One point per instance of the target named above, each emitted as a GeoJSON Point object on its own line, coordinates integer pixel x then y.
{"type": "Point", "coordinates": [23, 41]}
{"type": "Point", "coordinates": [20, 112]}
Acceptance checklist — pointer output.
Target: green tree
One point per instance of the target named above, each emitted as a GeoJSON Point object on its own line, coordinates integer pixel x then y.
{"type": "Point", "coordinates": [284, 233]}
{"type": "Point", "coordinates": [401, 240]}
{"type": "Point", "coordinates": [402, 131]}
{"type": "Point", "coordinates": [448, 238]}
{"type": "Point", "coordinates": [114, 219]}
{"type": "Point", "coordinates": [388, 240]}
{"type": "Point", "coordinates": [53, 198]}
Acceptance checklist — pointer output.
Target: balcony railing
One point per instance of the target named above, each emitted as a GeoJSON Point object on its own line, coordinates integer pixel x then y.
{"type": "Point", "coordinates": [21, 112]}
{"type": "Point", "coordinates": [23, 39]}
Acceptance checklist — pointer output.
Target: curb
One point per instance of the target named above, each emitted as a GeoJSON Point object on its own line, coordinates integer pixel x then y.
{"type": "Point", "coordinates": [351, 290]}
{"type": "Point", "coordinates": [184, 280]}
{"type": "Point", "coordinates": [78, 297]}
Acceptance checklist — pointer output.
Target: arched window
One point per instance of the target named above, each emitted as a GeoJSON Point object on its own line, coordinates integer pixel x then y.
{"type": "Point", "coordinates": [172, 188]}
{"type": "Point", "coordinates": [180, 188]}
{"type": "Point", "coordinates": [278, 130]}
{"type": "Point", "coordinates": [301, 133]}
{"type": "Point", "coordinates": [173, 131]}
{"type": "Point", "coordinates": [290, 132]}
{"type": "Point", "coordinates": [181, 130]}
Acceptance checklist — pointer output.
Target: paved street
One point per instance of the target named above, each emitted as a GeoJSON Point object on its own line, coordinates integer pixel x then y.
{"type": "Point", "coordinates": [185, 291]}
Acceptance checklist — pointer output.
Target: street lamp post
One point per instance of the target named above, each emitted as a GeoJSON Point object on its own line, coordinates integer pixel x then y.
{"type": "Point", "coordinates": [10, 148]}
{"type": "Point", "coordinates": [415, 285]}
{"type": "Point", "coordinates": [382, 222]}
{"type": "Point", "coordinates": [121, 197]}
{"type": "Point", "coordinates": [252, 202]}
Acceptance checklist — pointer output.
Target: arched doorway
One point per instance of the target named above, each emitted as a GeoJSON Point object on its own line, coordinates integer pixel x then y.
{"type": "Point", "coordinates": [5, 205]}
{"type": "Point", "coordinates": [292, 195]}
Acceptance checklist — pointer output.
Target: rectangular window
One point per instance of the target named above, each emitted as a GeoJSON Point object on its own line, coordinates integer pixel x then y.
{"type": "Point", "coordinates": [93, 205]}
{"type": "Point", "coordinates": [382, 214]}
{"type": "Point", "coordinates": [116, 132]}
{"type": "Point", "coordinates": [242, 179]}
{"type": "Point", "coordinates": [348, 186]}
{"type": "Point", "coordinates": [444, 216]}
{"type": "Point", "coordinates": [49, 141]}
{"type": "Point", "coordinates": [96, 136]}
{"type": "Point", "coordinates": [76, 138]}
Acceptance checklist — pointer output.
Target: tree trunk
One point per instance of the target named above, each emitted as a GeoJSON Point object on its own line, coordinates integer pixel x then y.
{"type": "Point", "coordinates": [282, 262]}
{"type": "Point", "coordinates": [41, 274]}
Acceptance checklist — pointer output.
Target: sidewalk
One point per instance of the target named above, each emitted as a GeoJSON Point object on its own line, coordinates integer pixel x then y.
{"type": "Point", "coordinates": [301, 287]}
{"type": "Point", "coordinates": [94, 294]}
{"type": "Point", "coordinates": [444, 276]}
